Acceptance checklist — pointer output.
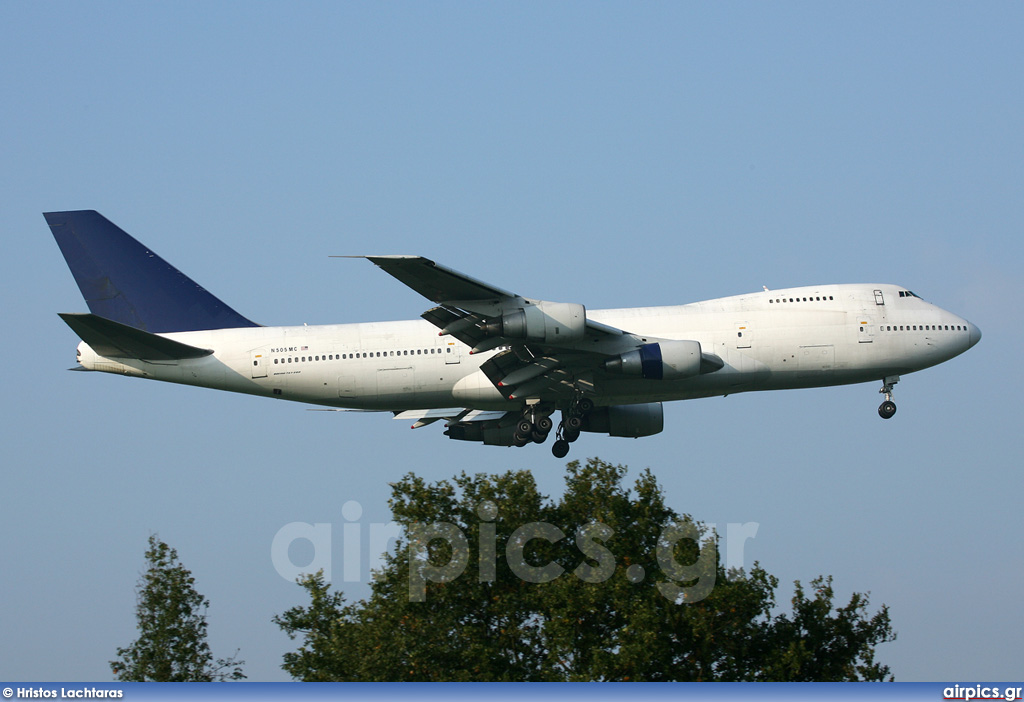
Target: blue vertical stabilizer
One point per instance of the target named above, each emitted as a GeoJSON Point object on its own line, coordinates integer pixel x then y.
{"type": "Point", "coordinates": [124, 281]}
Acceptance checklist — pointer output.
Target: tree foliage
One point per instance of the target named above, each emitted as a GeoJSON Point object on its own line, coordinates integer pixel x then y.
{"type": "Point", "coordinates": [171, 619]}
{"type": "Point", "coordinates": [602, 618]}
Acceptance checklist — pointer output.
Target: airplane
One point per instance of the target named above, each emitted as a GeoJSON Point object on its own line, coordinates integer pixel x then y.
{"type": "Point", "coordinates": [494, 365]}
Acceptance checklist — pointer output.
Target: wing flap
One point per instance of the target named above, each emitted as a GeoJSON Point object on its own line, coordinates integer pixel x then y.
{"type": "Point", "coordinates": [115, 340]}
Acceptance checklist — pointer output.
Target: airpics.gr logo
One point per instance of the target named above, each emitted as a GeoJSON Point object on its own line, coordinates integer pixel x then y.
{"type": "Point", "coordinates": [681, 582]}
{"type": "Point", "coordinates": [981, 692]}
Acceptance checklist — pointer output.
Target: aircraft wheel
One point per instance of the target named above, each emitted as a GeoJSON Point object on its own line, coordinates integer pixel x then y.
{"type": "Point", "coordinates": [544, 424]}
{"type": "Point", "coordinates": [538, 437]}
{"type": "Point", "coordinates": [520, 440]}
{"type": "Point", "coordinates": [585, 405]}
{"type": "Point", "coordinates": [571, 435]}
{"type": "Point", "coordinates": [524, 427]}
{"type": "Point", "coordinates": [560, 449]}
{"type": "Point", "coordinates": [887, 409]}
{"type": "Point", "coordinates": [574, 424]}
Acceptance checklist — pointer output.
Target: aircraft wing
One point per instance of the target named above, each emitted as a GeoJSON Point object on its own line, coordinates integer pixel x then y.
{"type": "Point", "coordinates": [550, 349]}
{"type": "Point", "coordinates": [435, 282]}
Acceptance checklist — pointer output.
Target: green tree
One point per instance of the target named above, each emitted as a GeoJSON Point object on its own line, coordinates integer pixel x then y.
{"type": "Point", "coordinates": [171, 619]}
{"type": "Point", "coordinates": [639, 594]}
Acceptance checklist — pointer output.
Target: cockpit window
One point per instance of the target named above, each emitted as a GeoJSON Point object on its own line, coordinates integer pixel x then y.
{"type": "Point", "coordinates": [907, 293]}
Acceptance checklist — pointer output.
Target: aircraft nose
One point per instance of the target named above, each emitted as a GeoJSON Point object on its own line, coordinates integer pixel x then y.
{"type": "Point", "coordinates": [974, 334]}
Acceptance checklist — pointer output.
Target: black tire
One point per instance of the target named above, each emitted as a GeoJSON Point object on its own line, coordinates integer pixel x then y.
{"type": "Point", "coordinates": [544, 424]}
{"type": "Point", "coordinates": [520, 440]}
{"type": "Point", "coordinates": [539, 437]}
{"type": "Point", "coordinates": [560, 449]}
{"type": "Point", "coordinates": [573, 424]}
{"type": "Point", "coordinates": [524, 427]}
{"type": "Point", "coordinates": [585, 405]}
{"type": "Point", "coordinates": [887, 409]}
{"type": "Point", "coordinates": [571, 435]}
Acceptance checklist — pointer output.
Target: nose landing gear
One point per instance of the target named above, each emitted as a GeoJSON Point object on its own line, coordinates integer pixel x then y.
{"type": "Point", "coordinates": [888, 408]}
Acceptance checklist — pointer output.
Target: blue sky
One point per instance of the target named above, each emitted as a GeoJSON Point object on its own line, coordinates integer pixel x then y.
{"type": "Point", "coordinates": [611, 154]}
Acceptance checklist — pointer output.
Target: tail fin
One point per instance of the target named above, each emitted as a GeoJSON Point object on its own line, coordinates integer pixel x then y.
{"type": "Point", "coordinates": [124, 281]}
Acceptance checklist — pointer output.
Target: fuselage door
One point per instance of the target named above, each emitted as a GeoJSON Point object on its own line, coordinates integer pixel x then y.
{"type": "Point", "coordinates": [865, 329]}
{"type": "Point", "coordinates": [879, 298]}
{"type": "Point", "coordinates": [259, 364]}
{"type": "Point", "coordinates": [451, 353]}
{"type": "Point", "coordinates": [744, 335]}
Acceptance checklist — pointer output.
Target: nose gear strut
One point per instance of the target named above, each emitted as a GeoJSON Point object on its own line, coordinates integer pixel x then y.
{"type": "Point", "coordinates": [888, 408]}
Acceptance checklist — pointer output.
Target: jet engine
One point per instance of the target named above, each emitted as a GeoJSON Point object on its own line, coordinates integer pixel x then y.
{"type": "Point", "coordinates": [543, 322]}
{"type": "Point", "coordinates": [665, 360]}
{"type": "Point", "coordinates": [626, 420]}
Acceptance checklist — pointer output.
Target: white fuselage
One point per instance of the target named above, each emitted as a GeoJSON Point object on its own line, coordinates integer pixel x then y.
{"type": "Point", "coordinates": [771, 340]}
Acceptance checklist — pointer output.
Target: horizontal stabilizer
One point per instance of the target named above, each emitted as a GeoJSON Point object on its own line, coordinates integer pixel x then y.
{"type": "Point", "coordinates": [115, 340]}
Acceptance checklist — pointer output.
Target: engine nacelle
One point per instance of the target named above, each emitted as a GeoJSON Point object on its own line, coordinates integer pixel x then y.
{"type": "Point", "coordinates": [489, 433]}
{"type": "Point", "coordinates": [543, 322]}
{"type": "Point", "coordinates": [664, 360]}
{"type": "Point", "coordinates": [626, 420]}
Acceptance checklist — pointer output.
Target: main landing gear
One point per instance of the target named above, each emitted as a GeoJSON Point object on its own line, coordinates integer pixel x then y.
{"type": "Point", "coordinates": [536, 424]}
{"type": "Point", "coordinates": [888, 408]}
{"type": "Point", "coordinates": [570, 426]}
{"type": "Point", "coordinates": [533, 427]}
